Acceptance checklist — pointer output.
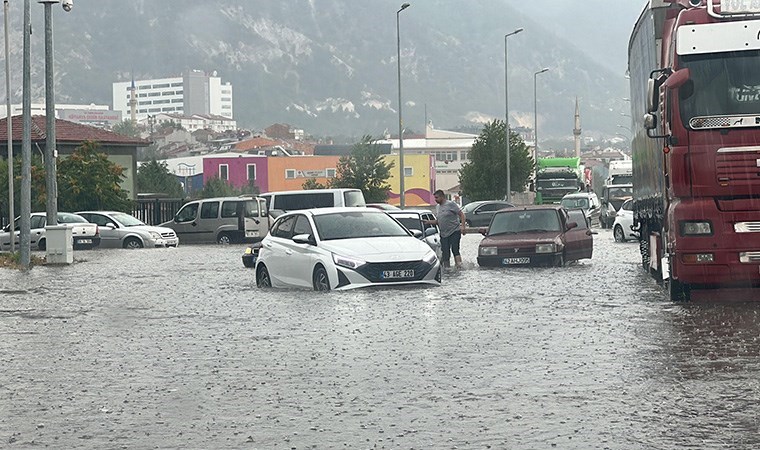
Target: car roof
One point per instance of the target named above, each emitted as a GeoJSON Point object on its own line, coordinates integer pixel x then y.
{"type": "Point", "coordinates": [580, 195]}
{"type": "Point", "coordinates": [410, 211]}
{"type": "Point", "coordinates": [334, 210]}
{"type": "Point", "coordinates": [532, 208]}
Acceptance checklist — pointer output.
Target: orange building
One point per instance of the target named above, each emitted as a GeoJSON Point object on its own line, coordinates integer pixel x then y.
{"type": "Point", "coordinates": [290, 173]}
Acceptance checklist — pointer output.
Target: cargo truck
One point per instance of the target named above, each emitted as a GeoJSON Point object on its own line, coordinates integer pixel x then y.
{"type": "Point", "coordinates": [694, 71]}
{"type": "Point", "coordinates": [556, 177]}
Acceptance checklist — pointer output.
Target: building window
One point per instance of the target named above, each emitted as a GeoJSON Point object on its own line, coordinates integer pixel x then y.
{"type": "Point", "coordinates": [251, 168]}
{"type": "Point", "coordinates": [290, 174]}
{"type": "Point", "coordinates": [142, 111]}
{"type": "Point", "coordinates": [160, 86]}
{"type": "Point", "coordinates": [167, 109]}
{"type": "Point", "coordinates": [224, 172]}
{"type": "Point", "coordinates": [226, 99]}
{"type": "Point", "coordinates": [330, 173]}
{"type": "Point", "coordinates": [226, 107]}
{"type": "Point", "coordinates": [177, 100]}
{"type": "Point", "coordinates": [145, 103]}
{"type": "Point", "coordinates": [154, 94]}
{"type": "Point", "coordinates": [167, 93]}
{"type": "Point", "coordinates": [154, 110]}
{"type": "Point", "coordinates": [408, 172]}
{"type": "Point", "coordinates": [465, 155]}
{"type": "Point", "coordinates": [142, 95]}
{"type": "Point", "coordinates": [176, 84]}
{"type": "Point", "coordinates": [179, 92]}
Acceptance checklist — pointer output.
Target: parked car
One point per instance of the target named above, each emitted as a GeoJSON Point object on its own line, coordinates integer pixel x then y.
{"type": "Point", "coordinates": [413, 219]}
{"type": "Point", "coordinates": [223, 220]}
{"type": "Point", "coordinates": [343, 248]}
{"type": "Point", "coordinates": [85, 235]}
{"type": "Point", "coordinates": [621, 229]}
{"type": "Point", "coordinates": [479, 214]}
{"type": "Point", "coordinates": [534, 235]}
{"type": "Point", "coordinates": [587, 201]}
{"type": "Point", "coordinates": [120, 230]}
{"type": "Point", "coordinates": [612, 198]}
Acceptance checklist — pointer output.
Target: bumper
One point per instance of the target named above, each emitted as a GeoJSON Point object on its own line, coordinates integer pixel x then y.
{"type": "Point", "coordinates": [370, 275]}
{"type": "Point", "coordinates": [532, 259]}
{"type": "Point", "coordinates": [726, 270]}
{"type": "Point", "coordinates": [159, 243]}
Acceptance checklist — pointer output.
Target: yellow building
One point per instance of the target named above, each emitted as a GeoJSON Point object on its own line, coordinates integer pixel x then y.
{"type": "Point", "coordinates": [419, 180]}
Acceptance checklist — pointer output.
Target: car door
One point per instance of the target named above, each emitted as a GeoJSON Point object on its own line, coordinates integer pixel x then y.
{"type": "Point", "coordinates": [578, 240]}
{"type": "Point", "coordinates": [185, 223]}
{"type": "Point", "coordinates": [110, 232]}
{"type": "Point", "coordinates": [299, 257]}
{"type": "Point", "coordinates": [277, 246]}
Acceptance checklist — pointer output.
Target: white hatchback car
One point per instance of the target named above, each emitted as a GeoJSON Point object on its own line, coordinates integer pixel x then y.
{"type": "Point", "coordinates": [343, 248]}
{"type": "Point", "coordinates": [621, 229]}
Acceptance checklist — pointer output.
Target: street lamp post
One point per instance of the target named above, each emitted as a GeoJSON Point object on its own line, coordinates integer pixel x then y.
{"type": "Point", "coordinates": [535, 115]}
{"type": "Point", "coordinates": [25, 234]}
{"type": "Point", "coordinates": [50, 150]}
{"type": "Point", "coordinates": [400, 122]}
{"type": "Point", "coordinates": [506, 112]}
{"type": "Point", "coordinates": [9, 120]}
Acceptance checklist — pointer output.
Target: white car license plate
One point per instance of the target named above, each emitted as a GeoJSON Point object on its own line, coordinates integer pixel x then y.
{"type": "Point", "coordinates": [514, 261]}
{"type": "Point", "coordinates": [393, 274]}
{"type": "Point", "coordinates": [85, 241]}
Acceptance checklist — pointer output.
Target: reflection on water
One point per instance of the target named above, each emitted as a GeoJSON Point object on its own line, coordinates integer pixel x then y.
{"type": "Point", "coordinates": [178, 348]}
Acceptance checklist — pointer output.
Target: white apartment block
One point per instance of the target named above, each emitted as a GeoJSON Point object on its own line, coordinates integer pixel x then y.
{"type": "Point", "coordinates": [195, 122]}
{"type": "Point", "coordinates": [195, 92]}
{"type": "Point", "coordinates": [39, 109]}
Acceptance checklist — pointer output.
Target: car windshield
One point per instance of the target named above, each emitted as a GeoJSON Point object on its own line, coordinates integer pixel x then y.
{"type": "Point", "coordinates": [351, 225]}
{"type": "Point", "coordinates": [127, 220]}
{"type": "Point", "coordinates": [411, 222]}
{"type": "Point", "coordinates": [524, 221]}
{"type": "Point", "coordinates": [70, 218]}
{"type": "Point", "coordinates": [577, 202]}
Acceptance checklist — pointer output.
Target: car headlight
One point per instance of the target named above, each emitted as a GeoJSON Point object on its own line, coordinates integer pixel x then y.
{"type": "Point", "coordinates": [155, 235]}
{"type": "Point", "coordinates": [696, 228]}
{"type": "Point", "coordinates": [488, 251]}
{"type": "Point", "coordinates": [345, 261]}
{"type": "Point", "coordinates": [430, 257]}
{"type": "Point", "coordinates": [546, 248]}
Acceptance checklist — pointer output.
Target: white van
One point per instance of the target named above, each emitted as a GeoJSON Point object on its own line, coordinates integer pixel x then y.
{"type": "Point", "coordinates": [223, 220]}
{"type": "Point", "coordinates": [279, 202]}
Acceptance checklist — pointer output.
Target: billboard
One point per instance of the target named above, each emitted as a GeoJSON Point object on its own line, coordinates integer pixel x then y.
{"type": "Point", "coordinates": [91, 116]}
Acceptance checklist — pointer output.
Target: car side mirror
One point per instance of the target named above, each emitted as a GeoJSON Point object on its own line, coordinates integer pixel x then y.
{"type": "Point", "coordinates": [572, 225]}
{"type": "Point", "coordinates": [483, 231]}
{"type": "Point", "coordinates": [416, 233]}
{"type": "Point", "coordinates": [304, 239]}
{"type": "Point", "coordinates": [430, 231]}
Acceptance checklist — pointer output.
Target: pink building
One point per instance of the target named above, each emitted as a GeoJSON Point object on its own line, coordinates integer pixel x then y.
{"type": "Point", "coordinates": [238, 171]}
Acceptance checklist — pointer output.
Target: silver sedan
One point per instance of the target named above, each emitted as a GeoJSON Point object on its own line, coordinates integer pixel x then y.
{"type": "Point", "coordinates": [121, 230]}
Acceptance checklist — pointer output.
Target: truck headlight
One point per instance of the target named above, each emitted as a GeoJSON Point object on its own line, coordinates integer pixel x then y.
{"type": "Point", "coordinates": [345, 261]}
{"type": "Point", "coordinates": [546, 248]}
{"type": "Point", "coordinates": [488, 251]}
{"type": "Point", "coordinates": [696, 228]}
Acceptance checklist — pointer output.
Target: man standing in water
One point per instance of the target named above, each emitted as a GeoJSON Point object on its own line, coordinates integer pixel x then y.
{"type": "Point", "coordinates": [451, 226]}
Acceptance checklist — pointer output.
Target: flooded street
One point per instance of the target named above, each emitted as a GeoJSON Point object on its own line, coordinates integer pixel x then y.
{"type": "Point", "coordinates": [177, 348]}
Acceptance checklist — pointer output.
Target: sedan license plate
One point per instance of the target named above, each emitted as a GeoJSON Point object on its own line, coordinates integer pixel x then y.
{"type": "Point", "coordinates": [84, 241]}
{"type": "Point", "coordinates": [394, 274]}
{"type": "Point", "coordinates": [515, 261]}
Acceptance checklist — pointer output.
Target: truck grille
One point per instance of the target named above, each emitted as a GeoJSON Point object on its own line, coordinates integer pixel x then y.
{"type": "Point", "coordinates": [738, 167]}
{"type": "Point", "coordinates": [747, 227]}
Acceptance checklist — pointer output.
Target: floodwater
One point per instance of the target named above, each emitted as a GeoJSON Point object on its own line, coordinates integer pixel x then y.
{"type": "Point", "coordinates": [177, 348]}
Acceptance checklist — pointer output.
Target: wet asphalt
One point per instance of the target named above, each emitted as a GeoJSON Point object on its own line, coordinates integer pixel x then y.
{"type": "Point", "coordinates": [177, 348]}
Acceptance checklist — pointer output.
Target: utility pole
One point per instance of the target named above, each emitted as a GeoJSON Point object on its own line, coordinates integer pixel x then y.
{"type": "Point", "coordinates": [9, 120]}
{"type": "Point", "coordinates": [26, 146]}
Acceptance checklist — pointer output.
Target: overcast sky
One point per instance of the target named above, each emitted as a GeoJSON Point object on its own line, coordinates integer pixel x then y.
{"type": "Point", "coordinates": [599, 27]}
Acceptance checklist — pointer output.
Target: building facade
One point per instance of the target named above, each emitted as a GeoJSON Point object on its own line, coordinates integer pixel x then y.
{"type": "Point", "coordinates": [195, 92]}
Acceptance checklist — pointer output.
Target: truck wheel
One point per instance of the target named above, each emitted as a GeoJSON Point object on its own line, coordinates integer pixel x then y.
{"type": "Point", "coordinates": [619, 234]}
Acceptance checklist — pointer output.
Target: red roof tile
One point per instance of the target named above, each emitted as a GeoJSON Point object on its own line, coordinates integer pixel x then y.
{"type": "Point", "coordinates": [255, 143]}
{"type": "Point", "coordinates": [66, 131]}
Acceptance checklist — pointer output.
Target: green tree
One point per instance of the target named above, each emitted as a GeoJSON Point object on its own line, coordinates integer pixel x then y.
{"type": "Point", "coordinates": [89, 180]}
{"type": "Point", "coordinates": [216, 187]}
{"type": "Point", "coordinates": [311, 184]}
{"type": "Point", "coordinates": [364, 169]}
{"type": "Point", "coordinates": [127, 128]}
{"type": "Point", "coordinates": [154, 177]}
{"type": "Point", "coordinates": [38, 185]}
{"type": "Point", "coordinates": [484, 176]}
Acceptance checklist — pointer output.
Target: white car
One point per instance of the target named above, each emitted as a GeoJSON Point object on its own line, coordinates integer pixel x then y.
{"type": "Point", "coordinates": [85, 235]}
{"type": "Point", "coordinates": [120, 230]}
{"type": "Point", "coordinates": [412, 220]}
{"type": "Point", "coordinates": [343, 248]}
{"type": "Point", "coordinates": [621, 229]}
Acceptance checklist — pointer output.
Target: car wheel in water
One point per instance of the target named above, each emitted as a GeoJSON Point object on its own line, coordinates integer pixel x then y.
{"type": "Point", "coordinates": [224, 239]}
{"type": "Point", "coordinates": [619, 234]}
{"type": "Point", "coordinates": [262, 277]}
{"type": "Point", "coordinates": [320, 279]}
{"type": "Point", "coordinates": [132, 243]}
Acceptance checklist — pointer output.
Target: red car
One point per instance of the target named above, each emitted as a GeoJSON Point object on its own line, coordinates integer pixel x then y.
{"type": "Point", "coordinates": [535, 235]}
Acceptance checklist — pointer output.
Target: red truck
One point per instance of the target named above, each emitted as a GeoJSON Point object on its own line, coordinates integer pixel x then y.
{"type": "Point", "coordinates": [694, 68]}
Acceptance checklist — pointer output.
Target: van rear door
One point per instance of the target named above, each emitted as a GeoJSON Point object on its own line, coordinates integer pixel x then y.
{"type": "Point", "coordinates": [254, 219]}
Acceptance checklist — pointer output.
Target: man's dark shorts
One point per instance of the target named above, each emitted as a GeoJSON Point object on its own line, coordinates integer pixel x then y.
{"type": "Point", "coordinates": [450, 245]}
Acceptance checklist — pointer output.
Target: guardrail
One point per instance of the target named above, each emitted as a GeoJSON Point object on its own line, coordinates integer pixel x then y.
{"type": "Point", "coordinates": [155, 211]}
